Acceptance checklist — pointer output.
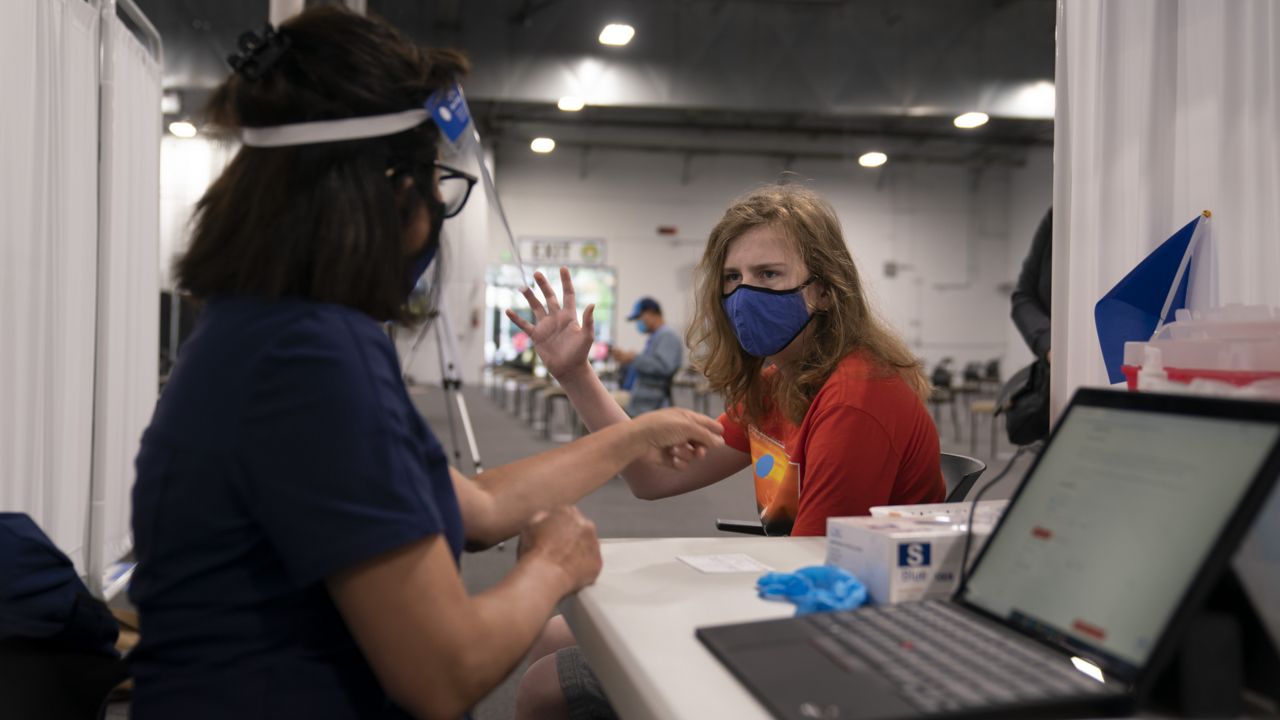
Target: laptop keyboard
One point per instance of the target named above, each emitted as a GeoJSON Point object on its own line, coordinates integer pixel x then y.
{"type": "Point", "coordinates": [943, 660]}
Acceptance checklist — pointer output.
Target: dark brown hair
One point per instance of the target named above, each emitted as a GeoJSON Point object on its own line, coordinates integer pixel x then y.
{"type": "Point", "coordinates": [319, 221]}
{"type": "Point", "coordinates": [848, 324]}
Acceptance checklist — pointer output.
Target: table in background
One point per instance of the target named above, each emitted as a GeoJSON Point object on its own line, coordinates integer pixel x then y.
{"type": "Point", "coordinates": [636, 624]}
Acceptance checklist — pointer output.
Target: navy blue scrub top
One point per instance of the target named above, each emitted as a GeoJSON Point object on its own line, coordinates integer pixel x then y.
{"type": "Point", "coordinates": [283, 449]}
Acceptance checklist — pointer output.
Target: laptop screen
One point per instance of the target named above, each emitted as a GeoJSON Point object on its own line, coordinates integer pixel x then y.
{"type": "Point", "coordinates": [1107, 534]}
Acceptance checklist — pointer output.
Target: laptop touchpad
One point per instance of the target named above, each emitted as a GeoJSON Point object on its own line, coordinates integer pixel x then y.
{"type": "Point", "coordinates": [800, 681]}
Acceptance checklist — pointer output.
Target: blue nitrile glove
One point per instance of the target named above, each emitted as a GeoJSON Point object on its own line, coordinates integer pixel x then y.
{"type": "Point", "coordinates": [818, 588]}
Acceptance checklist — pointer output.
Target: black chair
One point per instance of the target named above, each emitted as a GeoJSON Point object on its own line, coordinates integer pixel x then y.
{"type": "Point", "coordinates": [959, 473]}
{"type": "Point", "coordinates": [746, 527]}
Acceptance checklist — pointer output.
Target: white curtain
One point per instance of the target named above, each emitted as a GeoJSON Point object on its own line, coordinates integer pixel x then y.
{"type": "Point", "coordinates": [1165, 108]}
{"type": "Point", "coordinates": [128, 287]}
{"type": "Point", "coordinates": [48, 249]}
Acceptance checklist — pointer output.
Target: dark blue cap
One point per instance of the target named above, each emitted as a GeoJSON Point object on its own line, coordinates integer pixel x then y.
{"type": "Point", "coordinates": [645, 303]}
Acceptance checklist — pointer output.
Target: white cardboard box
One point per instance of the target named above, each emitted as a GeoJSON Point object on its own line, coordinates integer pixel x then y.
{"type": "Point", "coordinates": [901, 559]}
{"type": "Point", "coordinates": [989, 511]}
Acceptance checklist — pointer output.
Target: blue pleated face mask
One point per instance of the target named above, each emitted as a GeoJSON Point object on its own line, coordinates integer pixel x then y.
{"type": "Point", "coordinates": [421, 260]}
{"type": "Point", "coordinates": [766, 321]}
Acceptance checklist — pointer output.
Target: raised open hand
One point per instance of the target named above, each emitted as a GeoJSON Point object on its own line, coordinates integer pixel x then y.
{"type": "Point", "coordinates": [558, 338]}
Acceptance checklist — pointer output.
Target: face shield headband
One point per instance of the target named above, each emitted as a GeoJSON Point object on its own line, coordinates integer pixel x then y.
{"type": "Point", "coordinates": [447, 108]}
{"type": "Point", "coordinates": [327, 131]}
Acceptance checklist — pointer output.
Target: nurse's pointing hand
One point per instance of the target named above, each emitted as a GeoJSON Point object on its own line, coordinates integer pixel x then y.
{"type": "Point", "coordinates": [680, 435]}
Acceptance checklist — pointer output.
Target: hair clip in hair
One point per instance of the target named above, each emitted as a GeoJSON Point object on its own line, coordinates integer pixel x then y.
{"type": "Point", "coordinates": [258, 53]}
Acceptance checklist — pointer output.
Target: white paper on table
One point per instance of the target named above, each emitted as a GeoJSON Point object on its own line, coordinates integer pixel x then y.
{"type": "Point", "coordinates": [730, 563]}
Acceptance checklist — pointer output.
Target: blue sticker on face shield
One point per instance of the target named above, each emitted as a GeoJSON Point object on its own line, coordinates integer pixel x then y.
{"type": "Point", "coordinates": [449, 110]}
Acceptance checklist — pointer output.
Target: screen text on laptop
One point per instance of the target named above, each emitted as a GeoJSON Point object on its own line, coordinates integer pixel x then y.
{"type": "Point", "coordinates": [1098, 518]}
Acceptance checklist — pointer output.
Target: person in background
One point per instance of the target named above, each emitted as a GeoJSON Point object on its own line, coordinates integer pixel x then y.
{"type": "Point", "coordinates": [1033, 296]}
{"type": "Point", "coordinates": [297, 525]}
{"type": "Point", "coordinates": [649, 373]}
{"type": "Point", "coordinates": [824, 402]}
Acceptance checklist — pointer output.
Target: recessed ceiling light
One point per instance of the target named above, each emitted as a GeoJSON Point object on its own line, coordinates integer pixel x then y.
{"type": "Point", "coordinates": [971, 120]}
{"type": "Point", "coordinates": [542, 145]}
{"type": "Point", "coordinates": [616, 34]}
{"type": "Point", "coordinates": [570, 103]}
{"type": "Point", "coordinates": [873, 159]}
{"type": "Point", "coordinates": [182, 129]}
{"type": "Point", "coordinates": [1036, 100]}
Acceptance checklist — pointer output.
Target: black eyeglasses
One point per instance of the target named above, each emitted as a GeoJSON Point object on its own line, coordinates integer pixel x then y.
{"type": "Point", "coordinates": [454, 184]}
{"type": "Point", "coordinates": [455, 187]}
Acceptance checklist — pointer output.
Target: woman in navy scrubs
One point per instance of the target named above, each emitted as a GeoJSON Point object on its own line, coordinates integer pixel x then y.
{"type": "Point", "coordinates": [296, 523]}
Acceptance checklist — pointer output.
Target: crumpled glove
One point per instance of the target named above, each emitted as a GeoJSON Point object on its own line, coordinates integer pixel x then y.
{"type": "Point", "coordinates": [818, 588]}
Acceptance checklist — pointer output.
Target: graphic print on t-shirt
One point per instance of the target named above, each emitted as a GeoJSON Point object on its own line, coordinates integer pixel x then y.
{"type": "Point", "coordinates": [777, 483]}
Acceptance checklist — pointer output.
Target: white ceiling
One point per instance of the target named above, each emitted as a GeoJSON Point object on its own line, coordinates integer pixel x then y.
{"type": "Point", "coordinates": [774, 76]}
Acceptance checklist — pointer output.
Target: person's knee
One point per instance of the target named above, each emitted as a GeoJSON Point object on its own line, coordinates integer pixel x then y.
{"type": "Point", "coordinates": [539, 696]}
{"type": "Point", "coordinates": [555, 636]}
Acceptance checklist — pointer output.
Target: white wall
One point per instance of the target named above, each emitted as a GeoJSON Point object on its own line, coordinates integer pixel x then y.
{"type": "Point", "coordinates": [187, 167]}
{"type": "Point", "coordinates": [962, 233]}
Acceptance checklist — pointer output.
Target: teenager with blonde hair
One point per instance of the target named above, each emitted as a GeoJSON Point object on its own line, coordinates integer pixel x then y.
{"type": "Point", "coordinates": [824, 402]}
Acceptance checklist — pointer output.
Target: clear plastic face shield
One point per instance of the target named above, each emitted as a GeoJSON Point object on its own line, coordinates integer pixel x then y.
{"type": "Point", "coordinates": [461, 150]}
{"type": "Point", "coordinates": [459, 168]}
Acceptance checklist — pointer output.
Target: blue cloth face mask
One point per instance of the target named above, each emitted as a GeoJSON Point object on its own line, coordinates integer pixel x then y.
{"type": "Point", "coordinates": [642, 326]}
{"type": "Point", "coordinates": [421, 260]}
{"type": "Point", "coordinates": [766, 321]}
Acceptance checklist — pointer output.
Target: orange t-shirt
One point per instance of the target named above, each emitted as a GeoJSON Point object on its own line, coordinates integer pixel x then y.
{"type": "Point", "coordinates": [866, 440]}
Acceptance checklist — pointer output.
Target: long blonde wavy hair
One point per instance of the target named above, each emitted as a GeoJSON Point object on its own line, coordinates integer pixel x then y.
{"type": "Point", "coordinates": [847, 324]}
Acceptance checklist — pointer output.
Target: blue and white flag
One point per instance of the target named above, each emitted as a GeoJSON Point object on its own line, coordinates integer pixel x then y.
{"type": "Point", "coordinates": [1147, 298]}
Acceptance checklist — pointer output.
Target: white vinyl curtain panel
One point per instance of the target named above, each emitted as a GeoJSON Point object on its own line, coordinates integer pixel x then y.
{"type": "Point", "coordinates": [1165, 108]}
{"type": "Point", "coordinates": [128, 286]}
{"type": "Point", "coordinates": [48, 250]}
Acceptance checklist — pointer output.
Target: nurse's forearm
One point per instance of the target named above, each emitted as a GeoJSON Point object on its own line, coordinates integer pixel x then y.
{"type": "Point", "coordinates": [647, 476]}
{"type": "Point", "coordinates": [436, 650]}
{"type": "Point", "coordinates": [509, 495]}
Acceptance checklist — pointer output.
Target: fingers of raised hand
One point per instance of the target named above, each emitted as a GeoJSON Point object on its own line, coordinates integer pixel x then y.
{"type": "Point", "coordinates": [553, 303]}
{"type": "Point", "coordinates": [519, 321]}
{"type": "Point", "coordinates": [566, 288]}
{"type": "Point", "coordinates": [588, 320]}
{"type": "Point", "coordinates": [534, 304]}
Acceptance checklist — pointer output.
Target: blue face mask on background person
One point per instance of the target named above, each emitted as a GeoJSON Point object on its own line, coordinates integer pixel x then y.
{"type": "Point", "coordinates": [642, 326]}
{"type": "Point", "coordinates": [766, 321]}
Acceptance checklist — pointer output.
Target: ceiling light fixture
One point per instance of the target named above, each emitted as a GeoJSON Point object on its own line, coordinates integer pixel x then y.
{"type": "Point", "coordinates": [570, 103]}
{"type": "Point", "coordinates": [616, 34]}
{"type": "Point", "coordinates": [542, 145]}
{"type": "Point", "coordinates": [873, 159]}
{"type": "Point", "coordinates": [182, 129]}
{"type": "Point", "coordinates": [170, 103]}
{"type": "Point", "coordinates": [971, 120]}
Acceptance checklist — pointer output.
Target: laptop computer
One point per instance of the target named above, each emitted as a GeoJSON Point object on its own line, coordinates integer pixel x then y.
{"type": "Point", "coordinates": [1112, 540]}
